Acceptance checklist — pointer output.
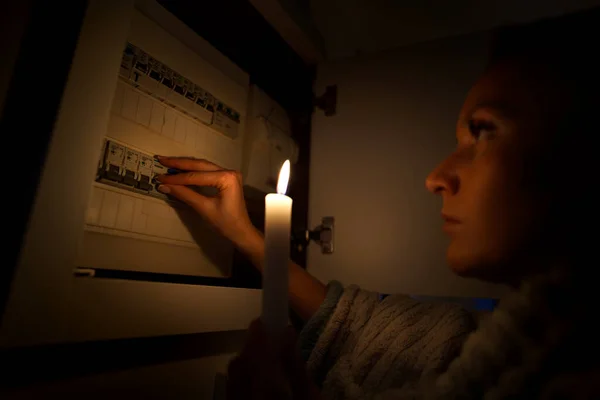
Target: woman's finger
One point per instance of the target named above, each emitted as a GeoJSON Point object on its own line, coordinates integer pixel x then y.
{"type": "Point", "coordinates": [188, 164]}
{"type": "Point", "coordinates": [188, 196]}
{"type": "Point", "coordinates": [218, 179]}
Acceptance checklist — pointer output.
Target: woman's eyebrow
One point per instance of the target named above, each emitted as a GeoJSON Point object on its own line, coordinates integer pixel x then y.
{"type": "Point", "coordinates": [502, 109]}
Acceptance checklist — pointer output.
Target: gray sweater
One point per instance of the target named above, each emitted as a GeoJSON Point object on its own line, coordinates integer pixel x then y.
{"type": "Point", "coordinates": [361, 345]}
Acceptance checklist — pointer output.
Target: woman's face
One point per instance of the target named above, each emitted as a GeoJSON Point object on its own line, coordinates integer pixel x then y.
{"type": "Point", "coordinates": [492, 206]}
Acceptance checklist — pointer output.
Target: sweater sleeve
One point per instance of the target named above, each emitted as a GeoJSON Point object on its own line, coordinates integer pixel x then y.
{"type": "Point", "coordinates": [344, 322]}
{"type": "Point", "coordinates": [314, 327]}
{"type": "Point", "coordinates": [366, 346]}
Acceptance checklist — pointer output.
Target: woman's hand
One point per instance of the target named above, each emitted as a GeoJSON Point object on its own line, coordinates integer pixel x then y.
{"type": "Point", "coordinates": [226, 211]}
{"type": "Point", "coordinates": [265, 371]}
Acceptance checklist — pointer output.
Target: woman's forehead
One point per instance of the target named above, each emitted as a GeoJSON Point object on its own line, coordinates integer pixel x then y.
{"type": "Point", "coordinates": [506, 88]}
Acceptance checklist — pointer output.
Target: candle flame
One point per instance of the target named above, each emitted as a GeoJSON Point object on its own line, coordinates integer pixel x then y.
{"type": "Point", "coordinates": [284, 177]}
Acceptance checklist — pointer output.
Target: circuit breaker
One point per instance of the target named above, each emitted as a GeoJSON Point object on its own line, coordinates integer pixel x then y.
{"type": "Point", "coordinates": [151, 76]}
{"type": "Point", "coordinates": [130, 169]}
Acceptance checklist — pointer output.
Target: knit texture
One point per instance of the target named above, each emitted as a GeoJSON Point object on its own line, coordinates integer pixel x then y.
{"type": "Point", "coordinates": [314, 327]}
{"type": "Point", "coordinates": [539, 343]}
{"type": "Point", "coordinates": [370, 345]}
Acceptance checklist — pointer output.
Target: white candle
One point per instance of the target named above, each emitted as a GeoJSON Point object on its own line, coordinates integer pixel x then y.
{"type": "Point", "coordinates": [278, 217]}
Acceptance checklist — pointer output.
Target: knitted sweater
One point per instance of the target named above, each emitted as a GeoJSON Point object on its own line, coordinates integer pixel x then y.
{"type": "Point", "coordinates": [360, 346]}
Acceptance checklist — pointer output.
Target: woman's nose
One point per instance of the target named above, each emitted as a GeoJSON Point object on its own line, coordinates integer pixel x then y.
{"type": "Point", "coordinates": [442, 179]}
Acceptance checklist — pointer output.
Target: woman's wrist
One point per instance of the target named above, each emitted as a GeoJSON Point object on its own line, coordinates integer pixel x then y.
{"type": "Point", "coordinates": [252, 245]}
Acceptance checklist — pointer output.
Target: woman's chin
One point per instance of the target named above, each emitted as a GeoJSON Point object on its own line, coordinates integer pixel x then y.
{"type": "Point", "coordinates": [467, 263]}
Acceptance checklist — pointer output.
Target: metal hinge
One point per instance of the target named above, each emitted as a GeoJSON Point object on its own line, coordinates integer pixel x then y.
{"type": "Point", "coordinates": [327, 101]}
{"type": "Point", "coordinates": [322, 235]}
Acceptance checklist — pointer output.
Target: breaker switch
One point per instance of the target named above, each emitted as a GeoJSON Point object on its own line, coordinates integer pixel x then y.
{"type": "Point", "coordinates": [129, 178]}
{"type": "Point", "coordinates": [144, 183]}
{"type": "Point", "coordinates": [113, 173]}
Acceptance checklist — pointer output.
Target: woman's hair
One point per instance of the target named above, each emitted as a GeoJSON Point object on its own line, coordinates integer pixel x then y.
{"type": "Point", "coordinates": [567, 49]}
{"type": "Point", "coordinates": [561, 40]}
{"type": "Point", "coordinates": [562, 56]}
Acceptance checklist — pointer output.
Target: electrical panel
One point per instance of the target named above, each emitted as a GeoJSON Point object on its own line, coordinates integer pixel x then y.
{"type": "Point", "coordinates": [146, 73]}
{"type": "Point", "coordinates": [168, 100]}
{"type": "Point", "coordinates": [161, 108]}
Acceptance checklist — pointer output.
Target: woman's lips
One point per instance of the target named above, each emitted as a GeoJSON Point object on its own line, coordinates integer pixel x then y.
{"type": "Point", "coordinates": [450, 223]}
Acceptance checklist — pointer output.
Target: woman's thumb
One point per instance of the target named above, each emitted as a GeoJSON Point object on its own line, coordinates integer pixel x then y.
{"type": "Point", "coordinates": [198, 202]}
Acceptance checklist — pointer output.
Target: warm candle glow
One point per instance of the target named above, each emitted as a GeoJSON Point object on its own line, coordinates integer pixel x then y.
{"type": "Point", "coordinates": [284, 177]}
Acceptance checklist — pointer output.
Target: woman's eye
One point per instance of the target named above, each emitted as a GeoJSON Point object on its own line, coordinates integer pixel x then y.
{"type": "Point", "coordinates": [481, 130]}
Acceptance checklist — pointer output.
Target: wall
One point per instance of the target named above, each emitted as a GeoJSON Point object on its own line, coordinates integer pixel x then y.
{"type": "Point", "coordinates": [396, 113]}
